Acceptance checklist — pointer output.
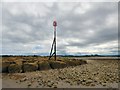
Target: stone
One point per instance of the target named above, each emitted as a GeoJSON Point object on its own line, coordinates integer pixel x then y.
{"type": "Point", "coordinates": [104, 84]}
{"type": "Point", "coordinates": [83, 83]}
{"type": "Point", "coordinates": [29, 84]}
{"type": "Point", "coordinates": [19, 62]}
{"type": "Point", "coordinates": [75, 62]}
{"type": "Point", "coordinates": [55, 86]}
{"type": "Point", "coordinates": [84, 80]}
{"type": "Point", "coordinates": [5, 66]}
{"type": "Point", "coordinates": [92, 84]}
{"type": "Point", "coordinates": [57, 64]}
{"type": "Point", "coordinates": [71, 63]}
{"type": "Point", "coordinates": [44, 65]}
{"type": "Point", "coordinates": [40, 83]}
{"type": "Point", "coordinates": [89, 81]}
{"type": "Point", "coordinates": [23, 79]}
{"type": "Point", "coordinates": [49, 84]}
{"type": "Point", "coordinates": [62, 78]}
{"type": "Point", "coordinates": [28, 67]}
{"type": "Point", "coordinates": [14, 68]}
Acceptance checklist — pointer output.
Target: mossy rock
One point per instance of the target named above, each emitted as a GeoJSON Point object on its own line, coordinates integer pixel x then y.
{"type": "Point", "coordinates": [74, 62]}
{"type": "Point", "coordinates": [15, 68]}
{"type": "Point", "coordinates": [5, 66]}
{"type": "Point", "coordinates": [28, 67]}
{"type": "Point", "coordinates": [44, 65]}
{"type": "Point", "coordinates": [57, 64]}
{"type": "Point", "coordinates": [71, 63]}
{"type": "Point", "coordinates": [30, 61]}
{"type": "Point", "coordinates": [19, 62]}
{"type": "Point", "coordinates": [83, 62]}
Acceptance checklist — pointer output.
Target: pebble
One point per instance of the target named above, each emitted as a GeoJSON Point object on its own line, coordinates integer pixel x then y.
{"type": "Point", "coordinates": [67, 81]}
{"type": "Point", "coordinates": [92, 84]}
{"type": "Point", "coordinates": [24, 79]}
{"type": "Point", "coordinates": [104, 84]}
{"type": "Point", "coordinates": [49, 85]}
{"type": "Point", "coordinates": [29, 84]}
{"type": "Point", "coordinates": [54, 86]}
{"type": "Point", "coordinates": [16, 81]}
{"type": "Point", "coordinates": [87, 75]}
{"type": "Point", "coordinates": [40, 83]}
{"type": "Point", "coordinates": [83, 83]}
{"type": "Point", "coordinates": [89, 81]}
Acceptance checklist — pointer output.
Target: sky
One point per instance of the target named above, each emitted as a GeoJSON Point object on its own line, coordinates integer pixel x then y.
{"type": "Point", "coordinates": [82, 27]}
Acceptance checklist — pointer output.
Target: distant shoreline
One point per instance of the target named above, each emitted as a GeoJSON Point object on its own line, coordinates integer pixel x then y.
{"type": "Point", "coordinates": [62, 55]}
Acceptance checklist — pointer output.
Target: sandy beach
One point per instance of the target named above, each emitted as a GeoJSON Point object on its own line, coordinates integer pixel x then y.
{"type": "Point", "coordinates": [94, 74]}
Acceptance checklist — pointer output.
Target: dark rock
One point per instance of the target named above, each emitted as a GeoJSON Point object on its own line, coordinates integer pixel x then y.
{"type": "Point", "coordinates": [27, 67]}
{"type": "Point", "coordinates": [14, 68]}
{"type": "Point", "coordinates": [5, 66]}
{"type": "Point", "coordinates": [44, 65]}
{"type": "Point", "coordinates": [57, 64]}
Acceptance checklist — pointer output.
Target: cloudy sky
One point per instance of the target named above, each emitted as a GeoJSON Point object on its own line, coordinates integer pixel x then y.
{"type": "Point", "coordinates": [83, 28]}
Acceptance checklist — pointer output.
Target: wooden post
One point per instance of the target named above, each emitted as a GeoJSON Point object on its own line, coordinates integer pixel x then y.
{"type": "Point", "coordinates": [54, 42]}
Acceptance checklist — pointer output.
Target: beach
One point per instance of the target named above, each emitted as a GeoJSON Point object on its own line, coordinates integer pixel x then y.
{"type": "Point", "coordinates": [94, 74]}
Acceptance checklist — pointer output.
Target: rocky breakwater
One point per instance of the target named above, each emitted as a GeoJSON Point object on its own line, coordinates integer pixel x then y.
{"type": "Point", "coordinates": [25, 65]}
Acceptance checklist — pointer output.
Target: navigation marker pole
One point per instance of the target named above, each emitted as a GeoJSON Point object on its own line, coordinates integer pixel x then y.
{"type": "Point", "coordinates": [54, 42]}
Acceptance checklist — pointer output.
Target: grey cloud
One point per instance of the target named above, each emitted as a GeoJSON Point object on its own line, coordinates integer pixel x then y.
{"type": "Point", "coordinates": [70, 24]}
{"type": "Point", "coordinates": [97, 16]}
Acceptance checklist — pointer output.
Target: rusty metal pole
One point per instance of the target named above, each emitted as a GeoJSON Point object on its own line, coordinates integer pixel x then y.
{"type": "Point", "coordinates": [54, 42]}
{"type": "Point", "coordinates": [55, 24]}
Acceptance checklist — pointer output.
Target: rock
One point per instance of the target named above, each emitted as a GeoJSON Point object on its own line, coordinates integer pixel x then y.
{"type": "Point", "coordinates": [104, 84]}
{"type": "Point", "coordinates": [75, 62]}
{"type": "Point", "coordinates": [44, 65]}
{"type": "Point", "coordinates": [40, 83]}
{"type": "Point", "coordinates": [14, 68]}
{"type": "Point", "coordinates": [50, 84]}
{"type": "Point", "coordinates": [67, 81]}
{"type": "Point", "coordinates": [62, 78]}
{"type": "Point", "coordinates": [29, 84]}
{"type": "Point", "coordinates": [27, 67]}
{"type": "Point", "coordinates": [96, 79]}
{"type": "Point", "coordinates": [92, 84]}
{"type": "Point", "coordinates": [79, 82]}
{"type": "Point", "coordinates": [57, 64]}
{"type": "Point", "coordinates": [5, 66]}
{"type": "Point", "coordinates": [83, 62]}
{"type": "Point", "coordinates": [89, 81]}
{"type": "Point", "coordinates": [16, 81]}
{"type": "Point", "coordinates": [38, 80]}
{"type": "Point", "coordinates": [84, 80]}
{"type": "Point", "coordinates": [54, 86]}
{"type": "Point", "coordinates": [23, 79]}
{"type": "Point", "coordinates": [71, 63]}
{"type": "Point", "coordinates": [83, 83]}
{"type": "Point", "coordinates": [19, 62]}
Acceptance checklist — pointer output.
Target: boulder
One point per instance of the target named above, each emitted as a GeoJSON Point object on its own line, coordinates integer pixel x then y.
{"type": "Point", "coordinates": [83, 61]}
{"type": "Point", "coordinates": [14, 68]}
{"type": "Point", "coordinates": [44, 65]}
{"type": "Point", "coordinates": [19, 62]}
{"type": "Point", "coordinates": [57, 64]}
{"type": "Point", "coordinates": [5, 66]}
{"type": "Point", "coordinates": [30, 61]}
{"type": "Point", "coordinates": [28, 67]}
{"type": "Point", "coordinates": [74, 62]}
{"type": "Point", "coordinates": [71, 63]}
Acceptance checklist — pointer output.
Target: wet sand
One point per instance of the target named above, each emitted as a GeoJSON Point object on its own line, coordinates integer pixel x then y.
{"type": "Point", "coordinates": [95, 74]}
